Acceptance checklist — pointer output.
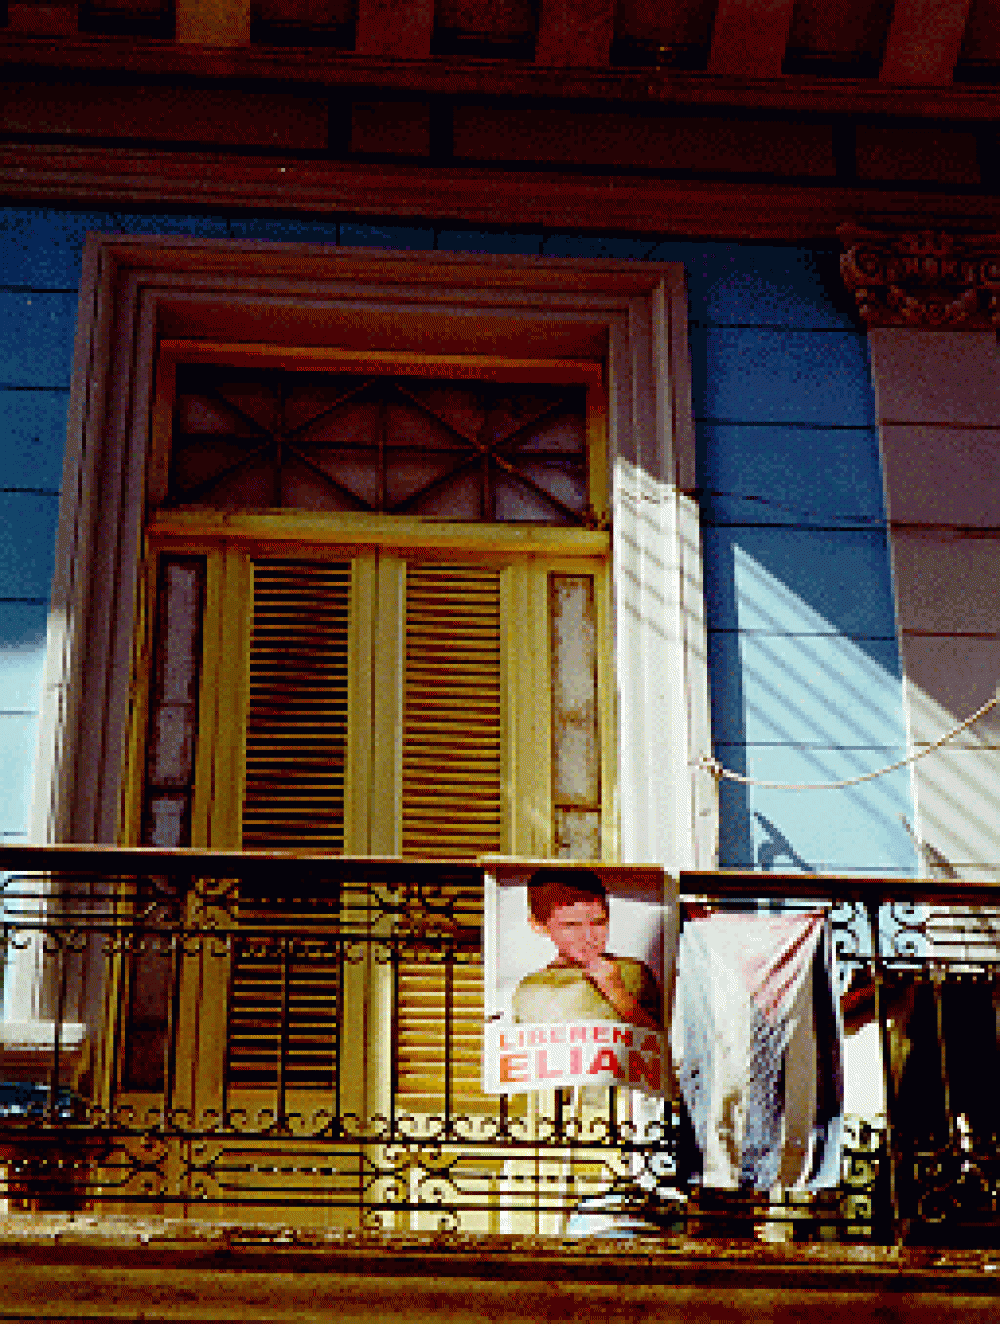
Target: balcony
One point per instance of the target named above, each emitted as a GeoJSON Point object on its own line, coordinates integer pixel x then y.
{"type": "Point", "coordinates": [290, 1043]}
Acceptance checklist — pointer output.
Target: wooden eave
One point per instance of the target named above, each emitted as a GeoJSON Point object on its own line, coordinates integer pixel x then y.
{"type": "Point", "coordinates": [488, 196]}
{"type": "Point", "coordinates": [134, 59]}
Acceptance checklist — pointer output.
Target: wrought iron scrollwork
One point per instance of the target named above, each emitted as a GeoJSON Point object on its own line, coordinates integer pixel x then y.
{"type": "Point", "coordinates": [334, 968]}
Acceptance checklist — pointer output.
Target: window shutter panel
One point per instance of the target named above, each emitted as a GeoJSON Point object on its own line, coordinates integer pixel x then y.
{"type": "Point", "coordinates": [452, 800]}
{"type": "Point", "coordinates": [422, 1026]}
{"type": "Point", "coordinates": [283, 1003]}
{"type": "Point", "coordinates": [296, 738]}
{"type": "Point", "coordinates": [452, 805]}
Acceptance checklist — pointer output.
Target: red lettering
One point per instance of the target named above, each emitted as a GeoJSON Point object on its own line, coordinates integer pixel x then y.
{"type": "Point", "coordinates": [557, 1035]}
{"type": "Point", "coordinates": [643, 1070]}
{"type": "Point", "coordinates": [601, 1035]}
{"type": "Point", "coordinates": [542, 1069]}
{"type": "Point", "coordinates": [651, 1043]}
{"type": "Point", "coordinates": [536, 1038]}
{"type": "Point", "coordinates": [575, 1059]}
{"type": "Point", "coordinates": [578, 1033]}
{"type": "Point", "coordinates": [622, 1035]}
{"type": "Point", "coordinates": [514, 1068]}
{"type": "Point", "coordinates": [605, 1061]}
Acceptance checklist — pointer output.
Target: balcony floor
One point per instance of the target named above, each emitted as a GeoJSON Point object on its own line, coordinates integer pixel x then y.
{"type": "Point", "coordinates": [116, 1268]}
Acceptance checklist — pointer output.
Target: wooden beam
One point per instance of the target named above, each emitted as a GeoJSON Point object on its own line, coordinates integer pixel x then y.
{"type": "Point", "coordinates": [395, 28]}
{"type": "Point", "coordinates": [133, 58]}
{"type": "Point", "coordinates": [575, 33]}
{"type": "Point", "coordinates": [149, 111]}
{"type": "Point", "coordinates": [749, 38]}
{"type": "Point", "coordinates": [924, 40]}
{"type": "Point", "coordinates": [213, 23]}
{"type": "Point", "coordinates": [223, 182]}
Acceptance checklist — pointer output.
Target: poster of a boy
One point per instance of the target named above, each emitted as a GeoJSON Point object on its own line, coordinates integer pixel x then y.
{"type": "Point", "coordinates": [577, 959]}
{"type": "Point", "coordinates": [570, 907]}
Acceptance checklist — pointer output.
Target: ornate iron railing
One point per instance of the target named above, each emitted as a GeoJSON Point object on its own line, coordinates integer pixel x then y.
{"type": "Point", "coordinates": [919, 960]}
{"type": "Point", "coordinates": [296, 1037]}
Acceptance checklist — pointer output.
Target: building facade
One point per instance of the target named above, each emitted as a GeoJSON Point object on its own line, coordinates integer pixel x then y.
{"type": "Point", "coordinates": [666, 343]}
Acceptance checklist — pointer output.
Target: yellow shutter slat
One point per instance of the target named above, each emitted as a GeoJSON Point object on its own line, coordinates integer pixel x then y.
{"type": "Point", "coordinates": [271, 981]}
{"type": "Point", "coordinates": [283, 1013]}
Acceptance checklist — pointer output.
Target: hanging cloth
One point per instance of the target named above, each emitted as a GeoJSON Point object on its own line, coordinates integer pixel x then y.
{"type": "Point", "coordinates": [759, 1033]}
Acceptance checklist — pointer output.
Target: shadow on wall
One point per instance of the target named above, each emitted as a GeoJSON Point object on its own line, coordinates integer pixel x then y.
{"type": "Point", "coordinates": [803, 644]}
{"type": "Point", "coordinates": [777, 846]}
{"type": "Point", "coordinates": [801, 701]}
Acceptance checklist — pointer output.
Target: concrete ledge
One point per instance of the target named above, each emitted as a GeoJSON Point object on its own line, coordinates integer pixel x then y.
{"type": "Point", "coordinates": [57, 1267]}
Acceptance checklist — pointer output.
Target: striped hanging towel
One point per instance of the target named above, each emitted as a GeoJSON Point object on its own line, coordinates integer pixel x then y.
{"type": "Point", "coordinates": [758, 1031]}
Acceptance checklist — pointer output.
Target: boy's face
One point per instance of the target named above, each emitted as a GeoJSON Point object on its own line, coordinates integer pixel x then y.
{"type": "Point", "coordinates": [579, 930]}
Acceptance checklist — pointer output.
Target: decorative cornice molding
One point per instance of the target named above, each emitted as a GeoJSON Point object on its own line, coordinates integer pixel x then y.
{"type": "Point", "coordinates": [923, 279]}
{"type": "Point", "coordinates": [223, 181]}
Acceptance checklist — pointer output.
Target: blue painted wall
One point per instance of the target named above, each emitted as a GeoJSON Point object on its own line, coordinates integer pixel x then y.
{"type": "Point", "coordinates": [805, 665]}
{"type": "Point", "coordinates": [804, 656]}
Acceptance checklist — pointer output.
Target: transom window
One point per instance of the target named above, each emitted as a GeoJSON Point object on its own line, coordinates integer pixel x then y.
{"type": "Point", "coordinates": [396, 445]}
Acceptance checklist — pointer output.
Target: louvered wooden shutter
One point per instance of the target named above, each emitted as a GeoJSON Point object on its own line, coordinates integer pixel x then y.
{"type": "Point", "coordinates": [452, 802]}
{"type": "Point", "coordinates": [284, 1025]}
{"type": "Point", "coordinates": [452, 806]}
{"type": "Point", "coordinates": [423, 1027]}
{"type": "Point", "coordinates": [283, 1002]}
{"type": "Point", "coordinates": [296, 740]}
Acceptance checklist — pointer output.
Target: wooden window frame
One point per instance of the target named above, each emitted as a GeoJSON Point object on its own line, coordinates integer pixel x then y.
{"type": "Point", "coordinates": [139, 293]}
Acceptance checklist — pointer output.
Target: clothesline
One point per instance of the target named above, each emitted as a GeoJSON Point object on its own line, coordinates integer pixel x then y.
{"type": "Point", "coordinates": [718, 771]}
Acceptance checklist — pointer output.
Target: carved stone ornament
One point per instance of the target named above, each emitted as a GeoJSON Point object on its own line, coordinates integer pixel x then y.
{"type": "Point", "coordinates": [926, 279]}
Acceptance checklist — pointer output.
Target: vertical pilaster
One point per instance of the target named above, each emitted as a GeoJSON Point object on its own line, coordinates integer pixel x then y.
{"type": "Point", "coordinates": [662, 673]}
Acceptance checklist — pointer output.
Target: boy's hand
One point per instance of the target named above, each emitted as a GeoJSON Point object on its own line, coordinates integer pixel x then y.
{"type": "Point", "coordinates": [605, 975]}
